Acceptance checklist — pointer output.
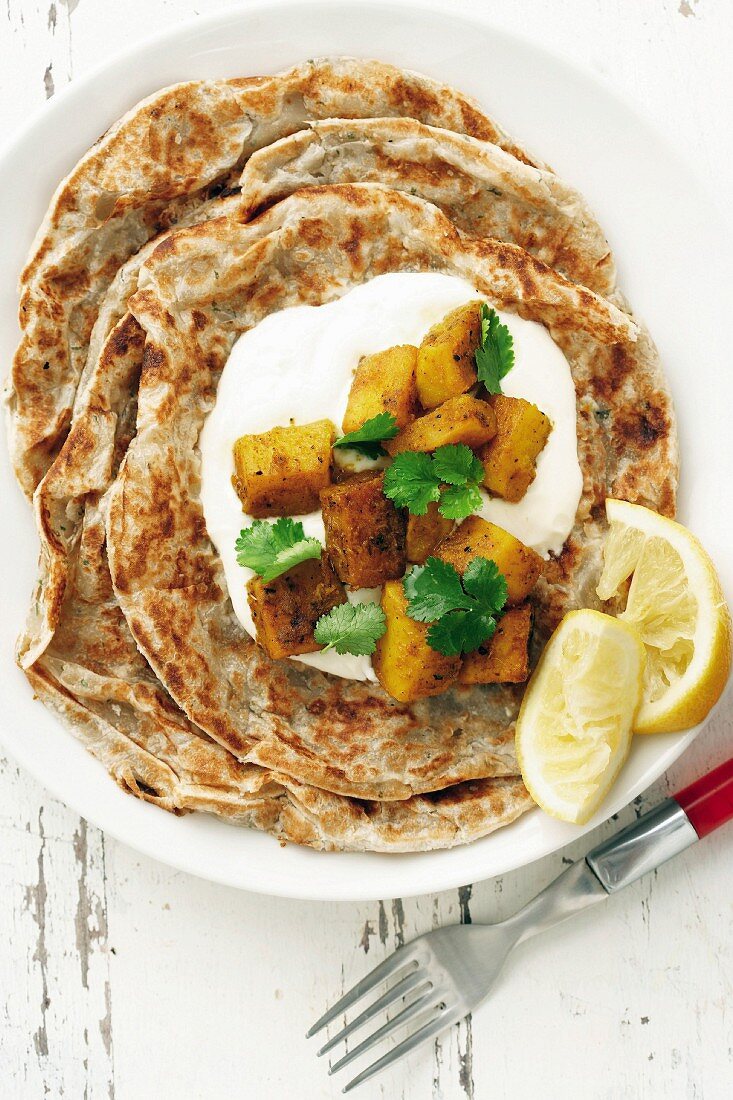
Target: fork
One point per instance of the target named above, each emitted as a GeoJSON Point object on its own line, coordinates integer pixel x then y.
{"type": "Point", "coordinates": [447, 973]}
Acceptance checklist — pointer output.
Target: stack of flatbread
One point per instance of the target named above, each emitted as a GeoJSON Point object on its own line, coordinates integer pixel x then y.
{"type": "Point", "coordinates": [207, 207]}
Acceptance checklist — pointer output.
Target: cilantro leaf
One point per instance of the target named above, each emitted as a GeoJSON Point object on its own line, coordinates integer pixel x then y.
{"type": "Point", "coordinates": [495, 354]}
{"type": "Point", "coordinates": [414, 480]}
{"type": "Point", "coordinates": [272, 548]}
{"type": "Point", "coordinates": [459, 501]}
{"type": "Point", "coordinates": [461, 632]}
{"type": "Point", "coordinates": [410, 482]}
{"type": "Point", "coordinates": [367, 439]}
{"type": "Point", "coordinates": [456, 464]}
{"type": "Point", "coordinates": [485, 583]}
{"type": "Point", "coordinates": [432, 590]}
{"type": "Point", "coordinates": [351, 628]}
{"type": "Point", "coordinates": [259, 544]}
{"type": "Point", "coordinates": [292, 556]}
{"type": "Point", "coordinates": [462, 610]}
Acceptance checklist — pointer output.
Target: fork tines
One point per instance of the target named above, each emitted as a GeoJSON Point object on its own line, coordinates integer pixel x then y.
{"type": "Point", "coordinates": [425, 1007]}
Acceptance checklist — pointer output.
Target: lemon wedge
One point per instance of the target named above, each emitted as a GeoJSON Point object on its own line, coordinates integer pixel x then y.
{"type": "Point", "coordinates": [676, 604]}
{"type": "Point", "coordinates": [574, 726]}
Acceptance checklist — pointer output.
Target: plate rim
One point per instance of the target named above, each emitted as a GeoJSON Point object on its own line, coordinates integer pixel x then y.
{"type": "Point", "coordinates": [57, 106]}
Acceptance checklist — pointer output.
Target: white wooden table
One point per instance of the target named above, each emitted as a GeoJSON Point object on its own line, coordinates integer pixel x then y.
{"type": "Point", "coordinates": [120, 977]}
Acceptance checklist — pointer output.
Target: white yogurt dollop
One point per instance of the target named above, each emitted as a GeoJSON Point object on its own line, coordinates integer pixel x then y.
{"type": "Point", "coordinates": [297, 366]}
{"type": "Point", "coordinates": [544, 517]}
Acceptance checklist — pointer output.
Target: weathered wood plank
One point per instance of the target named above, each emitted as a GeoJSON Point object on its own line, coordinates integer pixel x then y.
{"type": "Point", "coordinates": [212, 990]}
{"type": "Point", "coordinates": [55, 1036]}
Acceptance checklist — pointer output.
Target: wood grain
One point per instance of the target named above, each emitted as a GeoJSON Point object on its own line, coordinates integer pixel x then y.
{"type": "Point", "coordinates": [120, 977]}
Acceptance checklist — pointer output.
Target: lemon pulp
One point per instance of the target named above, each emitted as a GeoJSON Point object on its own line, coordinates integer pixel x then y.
{"type": "Point", "coordinates": [574, 726]}
{"type": "Point", "coordinates": [676, 604]}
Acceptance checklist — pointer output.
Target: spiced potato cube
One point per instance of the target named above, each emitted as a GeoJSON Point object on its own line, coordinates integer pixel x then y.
{"type": "Point", "coordinates": [510, 457]}
{"type": "Point", "coordinates": [286, 609]}
{"type": "Point", "coordinates": [477, 538]}
{"type": "Point", "coordinates": [365, 533]}
{"type": "Point", "coordinates": [384, 382]}
{"type": "Point", "coordinates": [405, 665]}
{"type": "Point", "coordinates": [281, 472]}
{"type": "Point", "coordinates": [462, 419]}
{"type": "Point", "coordinates": [504, 658]}
{"type": "Point", "coordinates": [445, 363]}
{"type": "Point", "coordinates": [425, 532]}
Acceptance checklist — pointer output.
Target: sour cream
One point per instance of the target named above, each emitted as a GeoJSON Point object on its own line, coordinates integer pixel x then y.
{"type": "Point", "coordinates": [297, 366]}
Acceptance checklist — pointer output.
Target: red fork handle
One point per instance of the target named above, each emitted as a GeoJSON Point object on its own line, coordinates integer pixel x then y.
{"type": "Point", "coordinates": [708, 802]}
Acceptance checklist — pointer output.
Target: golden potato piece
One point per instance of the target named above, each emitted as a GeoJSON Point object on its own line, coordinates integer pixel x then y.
{"type": "Point", "coordinates": [476, 538]}
{"type": "Point", "coordinates": [509, 458]}
{"type": "Point", "coordinates": [365, 533]}
{"type": "Point", "coordinates": [459, 420]}
{"type": "Point", "coordinates": [504, 659]}
{"type": "Point", "coordinates": [281, 472]}
{"type": "Point", "coordinates": [384, 382]}
{"type": "Point", "coordinates": [406, 666]}
{"type": "Point", "coordinates": [425, 532]}
{"type": "Point", "coordinates": [286, 610]}
{"type": "Point", "coordinates": [445, 361]}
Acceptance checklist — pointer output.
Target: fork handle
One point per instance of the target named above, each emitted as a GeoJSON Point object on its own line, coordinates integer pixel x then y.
{"type": "Point", "coordinates": [665, 831]}
{"type": "Point", "coordinates": [708, 802]}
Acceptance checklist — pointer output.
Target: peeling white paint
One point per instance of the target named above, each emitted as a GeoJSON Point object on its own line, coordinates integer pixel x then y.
{"type": "Point", "coordinates": [55, 993]}
{"type": "Point", "coordinates": [121, 977]}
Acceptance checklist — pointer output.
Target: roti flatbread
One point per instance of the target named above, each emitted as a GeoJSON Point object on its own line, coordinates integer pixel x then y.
{"type": "Point", "coordinates": [171, 153]}
{"type": "Point", "coordinates": [483, 189]}
{"type": "Point", "coordinates": [83, 663]}
{"type": "Point", "coordinates": [344, 736]}
{"type": "Point", "coordinates": [207, 207]}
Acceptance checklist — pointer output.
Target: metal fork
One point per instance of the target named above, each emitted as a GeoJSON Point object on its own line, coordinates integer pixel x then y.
{"type": "Point", "coordinates": [445, 974]}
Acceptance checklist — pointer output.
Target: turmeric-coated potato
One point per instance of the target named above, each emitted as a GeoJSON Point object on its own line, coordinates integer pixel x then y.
{"type": "Point", "coordinates": [459, 420]}
{"type": "Point", "coordinates": [510, 457]}
{"type": "Point", "coordinates": [281, 472]}
{"type": "Point", "coordinates": [384, 382]}
{"type": "Point", "coordinates": [286, 610]}
{"type": "Point", "coordinates": [425, 532]}
{"type": "Point", "coordinates": [504, 659]}
{"type": "Point", "coordinates": [406, 666]}
{"type": "Point", "coordinates": [476, 538]}
{"type": "Point", "coordinates": [365, 533]}
{"type": "Point", "coordinates": [445, 363]}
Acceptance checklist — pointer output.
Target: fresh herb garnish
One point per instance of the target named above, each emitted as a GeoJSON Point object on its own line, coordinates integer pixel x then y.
{"type": "Point", "coordinates": [272, 548]}
{"type": "Point", "coordinates": [495, 354]}
{"type": "Point", "coordinates": [459, 502]}
{"type": "Point", "coordinates": [457, 464]}
{"type": "Point", "coordinates": [351, 628]}
{"type": "Point", "coordinates": [463, 610]}
{"type": "Point", "coordinates": [463, 472]}
{"type": "Point", "coordinates": [432, 590]}
{"type": "Point", "coordinates": [415, 479]}
{"type": "Point", "coordinates": [367, 439]}
{"type": "Point", "coordinates": [411, 482]}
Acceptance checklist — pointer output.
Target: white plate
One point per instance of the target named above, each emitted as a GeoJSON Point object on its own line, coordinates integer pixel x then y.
{"type": "Point", "coordinates": [667, 237]}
